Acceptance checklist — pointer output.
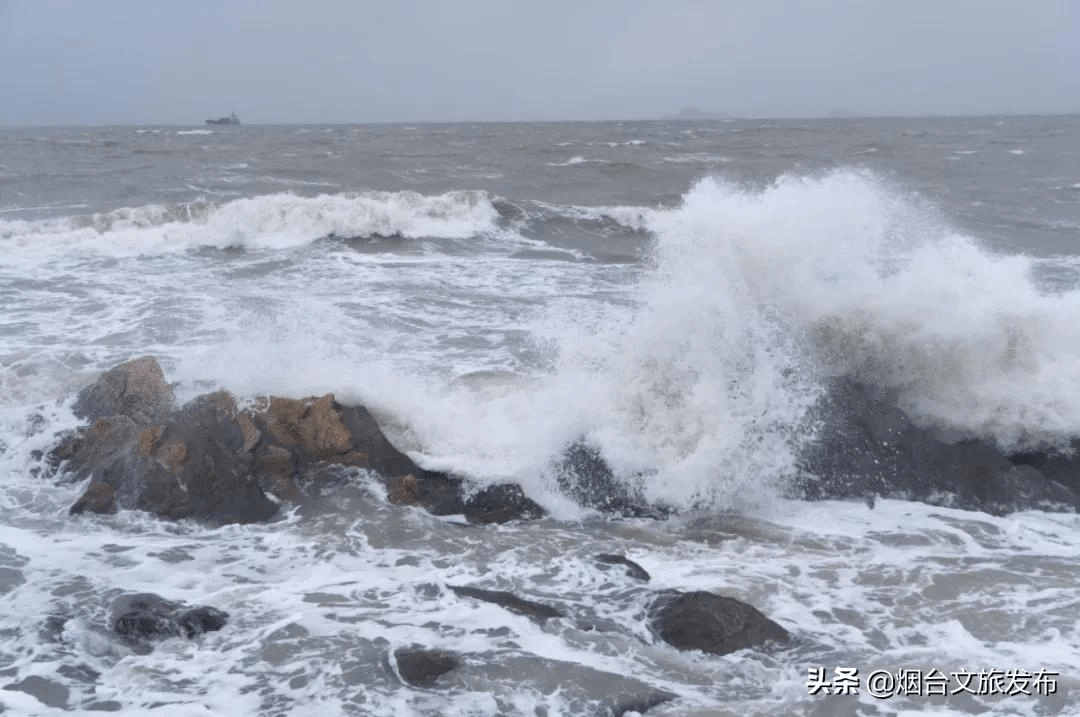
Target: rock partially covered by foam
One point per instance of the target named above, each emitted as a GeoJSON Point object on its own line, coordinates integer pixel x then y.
{"type": "Point", "coordinates": [584, 475]}
{"type": "Point", "coordinates": [711, 623]}
{"type": "Point", "coordinates": [143, 617]}
{"type": "Point", "coordinates": [213, 461]}
{"type": "Point", "coordinates": [867, 446]}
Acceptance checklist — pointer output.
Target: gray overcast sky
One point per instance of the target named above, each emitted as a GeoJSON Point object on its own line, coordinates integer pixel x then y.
{"type": "Point", "coordinates": [142, 61]}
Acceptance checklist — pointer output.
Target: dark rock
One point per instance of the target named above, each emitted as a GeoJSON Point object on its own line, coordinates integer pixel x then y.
{"type": "Point", "coordinates": [190, 466]}
{"type": "Point", "coordinates": [136, 389]}
{"type": "Point", "coordinates": [535, 610]}
{"type": "Point", "coordinates": [202, 619]}
{"type": "Point", "coordinates": [439, 494]}
{"type": "Point", "coordinates": [501, 503]}
{"type": "Point", "coordinates": [584, 475]}
{"type": "Point", "coordinates": [632, 569]}
{"type": "Point", "coordinates": [141, 617]}
{"type": "Point", "coordinates": [422, 668]}
{"type": "Point", "coordinates": [1062, 466]}
{"type": "Point", "coordinates": [868, 447]}
{"type": "Point", "coordinates": [711, 623]}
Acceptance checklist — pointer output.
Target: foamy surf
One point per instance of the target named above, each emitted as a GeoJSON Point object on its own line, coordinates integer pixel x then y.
{"type": "Point", "coordinates": [689, 363]}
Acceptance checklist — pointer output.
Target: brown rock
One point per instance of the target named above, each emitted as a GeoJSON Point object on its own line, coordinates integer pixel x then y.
{"type": "Point", "coordinates": [439, 494]}
{"type": "Point", "coordinates": [251, 433]}
{"type": "Point", "coordinates": [172, 455]}
{"type": "Point", "coordinates": [98, 498]}
{"type": "Point", "coordinates": [136, 389]}
{"type": "Point", "coordinates": [211, 461]}
{"type": "Point", "coordinates": [316, 426]}
{"type": "Point", "coordinates": [403, 490]}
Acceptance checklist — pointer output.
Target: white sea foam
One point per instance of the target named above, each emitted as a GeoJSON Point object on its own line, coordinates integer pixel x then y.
{"type": "Point", "coordinates": [753, 300]}
{"type": "Point", "coordinates": [195, 131]}
{"type": "Point", "coordinates": [575, 161]}
{"type": "Point", "coordinates": [698, 158]}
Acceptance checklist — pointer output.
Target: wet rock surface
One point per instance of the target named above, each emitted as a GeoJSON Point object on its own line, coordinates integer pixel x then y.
{"type": "Point", "coordinates": [499, 504]}
{"type": "Point", "coordinates": [213, 461]}
{"type": "Point", "coordinates": [868, 447]}
{"type": "Point", "coordinates": [632, 569]}
{"type": "Point", "coordinates": [513, 603]}
{"type": "Point", "coordinates": [141, 618]}
{"type": "Point", "coordinates": [136, 389]}
{"type": "Point", "coordinates": [584, 475]}
{"type": "Point", "coordinates": [420, 667]}
{"type": "Point", "coordinates": [711, 623]}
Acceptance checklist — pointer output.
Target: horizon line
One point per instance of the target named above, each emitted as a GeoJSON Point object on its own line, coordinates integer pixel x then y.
{"type": "Point", "coordinates": [702, 116]}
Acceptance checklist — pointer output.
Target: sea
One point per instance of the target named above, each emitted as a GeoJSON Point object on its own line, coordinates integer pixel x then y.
{"type": "Point", "coordinates": [677, 294]}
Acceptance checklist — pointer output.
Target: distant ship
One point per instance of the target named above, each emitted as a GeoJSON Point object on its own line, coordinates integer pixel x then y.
{"type": "Point", "coordinates": [231, 119]}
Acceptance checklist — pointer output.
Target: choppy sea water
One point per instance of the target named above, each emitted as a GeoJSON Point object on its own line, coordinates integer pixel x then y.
{"type": "Point", "coordinates": [677, 293]}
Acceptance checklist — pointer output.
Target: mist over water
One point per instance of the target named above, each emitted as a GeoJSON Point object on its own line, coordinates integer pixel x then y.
{"type": "Point", "coordinates": [495, 293]}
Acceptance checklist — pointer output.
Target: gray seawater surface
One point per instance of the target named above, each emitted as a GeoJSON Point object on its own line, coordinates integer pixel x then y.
{"type": "Point", "coordinates": [493, 291]}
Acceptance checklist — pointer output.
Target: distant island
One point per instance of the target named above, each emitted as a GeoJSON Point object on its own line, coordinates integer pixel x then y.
{"type": "Point", "coordinates": [843, 114]}
{"type": "Point", "coordinates": [692, 113]}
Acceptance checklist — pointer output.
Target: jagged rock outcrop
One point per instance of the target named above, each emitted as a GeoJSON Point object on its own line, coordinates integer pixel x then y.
{"type": "Point", "coordinates": [711, 623]}
{"type": "Point", "coordinates": [213, 461]}
{"type": "Point", "coordinates": [867, 447]}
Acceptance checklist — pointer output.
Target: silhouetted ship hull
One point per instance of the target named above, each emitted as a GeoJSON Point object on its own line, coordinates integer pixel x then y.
{"type": "Point", "coordinates": [231, 119]}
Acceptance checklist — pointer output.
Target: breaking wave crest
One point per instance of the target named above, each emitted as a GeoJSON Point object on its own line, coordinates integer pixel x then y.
{"type": "Point", "coordinates": [700, 386]}
{"type": "Point", "coordinates": [273, 221]}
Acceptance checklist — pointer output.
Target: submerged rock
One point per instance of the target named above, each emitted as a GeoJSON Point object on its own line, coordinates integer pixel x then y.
{"type": "Point", "coordinates": [213, 461]}
{"type": "Point", "coordinates": [867, 447]}
{"type": "Point", "coordinates": [142, 617]}
{"type": "Point", "coordinates": [711, 623]}
{"type": "Point", "coordinates": [422, 668]}
{"type": "Point", "coordinates": [535, 610]}
{"type": "Point", "coordinates": [632, 569]}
